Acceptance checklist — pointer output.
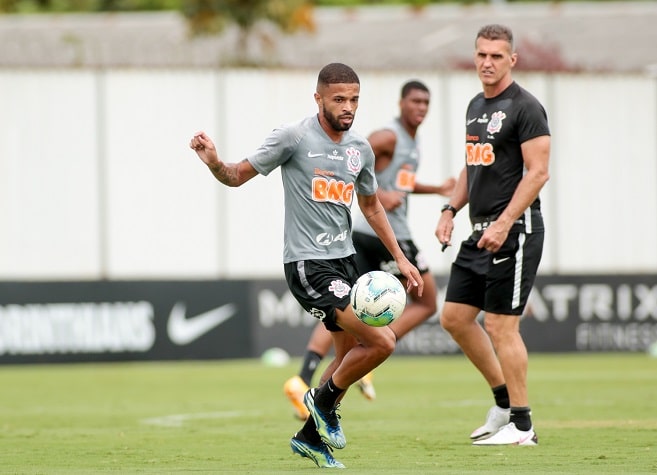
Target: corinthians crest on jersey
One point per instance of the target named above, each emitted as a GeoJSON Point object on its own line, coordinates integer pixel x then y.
{"type": "Point", "coordinates": [495, 124]}
{"type": "Point", "coordinates": [354, 164]}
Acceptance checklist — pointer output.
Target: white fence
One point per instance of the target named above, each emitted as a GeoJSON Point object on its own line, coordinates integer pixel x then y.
{"type": "Point", "coordinates": [97, 180]}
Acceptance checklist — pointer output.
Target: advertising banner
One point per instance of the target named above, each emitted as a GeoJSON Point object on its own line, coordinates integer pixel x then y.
{"type": "Point", "coordinates": [50, 322]}
{"type": "Point", "coordinates": [592, 313]}
{"type": "Point", "coordinates": [114, 321]}
{"type": "Point", "coordinates": [277, 319]}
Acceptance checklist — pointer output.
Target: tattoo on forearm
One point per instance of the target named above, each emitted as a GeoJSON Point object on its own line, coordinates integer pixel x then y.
{"type": "Point", "coordinates": [226, 173]}
{"type": "Point", "coordinates": [373, 214]}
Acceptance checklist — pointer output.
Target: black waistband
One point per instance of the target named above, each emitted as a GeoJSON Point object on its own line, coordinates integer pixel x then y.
{"type": "Point", "coordinates": [480, 223]}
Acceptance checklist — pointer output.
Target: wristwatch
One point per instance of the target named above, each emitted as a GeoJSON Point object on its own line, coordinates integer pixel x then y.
{"type": "Point", "coordinates": [450, 208]}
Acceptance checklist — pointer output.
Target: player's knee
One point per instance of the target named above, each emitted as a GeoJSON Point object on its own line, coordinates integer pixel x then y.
{"type": "Point", "coordinates": [427, 302]}
{"type": "Point", "coordinates": [498, 329]}
{"type": "Point", "coordinates": [430, 309]}
{"type": "Point", "coordinates": [385, 345]}
{"type": "Point", "coordinates": [448, 322]}
{"type": "Point", "coordinates": [493, 332]}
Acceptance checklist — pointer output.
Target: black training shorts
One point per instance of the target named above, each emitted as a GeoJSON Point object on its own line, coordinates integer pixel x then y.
{"type": "Point", "coordinates": [321, 286]}
{"type": "Point", "coordinates": [371, 255]}
{"type": "Point", "coordinates": [497, 283]}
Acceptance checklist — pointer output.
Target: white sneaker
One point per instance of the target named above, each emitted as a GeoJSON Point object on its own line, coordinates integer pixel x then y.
{"type": "Point", "coordinates": [495, 420]}
{"type": "Point", "coordinates": [510, 435]}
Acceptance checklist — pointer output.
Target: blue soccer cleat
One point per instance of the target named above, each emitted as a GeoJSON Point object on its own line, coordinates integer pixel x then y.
{"type": "Point", "coordinates": [320, 454]}
{"type": "Point", "coordinates": [328, 424]}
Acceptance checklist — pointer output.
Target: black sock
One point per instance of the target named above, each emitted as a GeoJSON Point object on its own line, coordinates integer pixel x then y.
{"type": "Point", "coordinates": [521, 417]}
{"type": "Point", "coordinates": [501, 396]}
{"type": "Point", "coordinates": [309, 432]}
{"type": "Point", "coordinates": [310, 363]}
{"type": "Point", "coordinates": [327, 395]}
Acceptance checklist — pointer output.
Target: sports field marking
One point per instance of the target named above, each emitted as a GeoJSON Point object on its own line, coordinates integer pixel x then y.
{"type": "Point", "coordinates": [177, 420]}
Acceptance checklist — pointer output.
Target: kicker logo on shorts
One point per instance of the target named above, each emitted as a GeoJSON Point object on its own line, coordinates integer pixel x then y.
{"type": "Point", "coordinates": [317, 313]}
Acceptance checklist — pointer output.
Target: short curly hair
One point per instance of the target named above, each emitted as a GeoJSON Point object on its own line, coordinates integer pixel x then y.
{"type": "Point", "coordinates": [337, 73]}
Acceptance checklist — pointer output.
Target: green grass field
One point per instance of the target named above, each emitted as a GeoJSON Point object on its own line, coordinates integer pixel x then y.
{"type": "Point", "coordinates": [593, 414]}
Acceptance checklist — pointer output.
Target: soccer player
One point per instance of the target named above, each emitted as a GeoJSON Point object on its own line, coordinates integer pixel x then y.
{"type": "Point", "coordinates": [324, 166]}
{"type": "Point", "coordinates": [397, 157]}
{"type": "Point", "coordinates": [507, 145]}
{"type": "Point", "coordinates": [396, 161]}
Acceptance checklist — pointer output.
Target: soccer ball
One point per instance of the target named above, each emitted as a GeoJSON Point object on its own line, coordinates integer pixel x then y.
{"type": "Point", "coordinates": [275, 357]}
{"type": "Point", "coordinates": [378, 298]}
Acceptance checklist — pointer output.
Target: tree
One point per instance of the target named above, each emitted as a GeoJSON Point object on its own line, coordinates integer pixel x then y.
{"type": "Point", "coordinates": [212, 16]}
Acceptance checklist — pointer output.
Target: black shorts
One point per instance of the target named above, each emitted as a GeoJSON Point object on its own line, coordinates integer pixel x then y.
{"type": "Point", "coordinates": [500, 282]}
{"type": "Point", "coordinates": [321, 286]}
{"type": "Point", "coordinates": [371, 255]}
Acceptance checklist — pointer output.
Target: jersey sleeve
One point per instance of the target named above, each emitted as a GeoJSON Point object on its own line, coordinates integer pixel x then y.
{"type": "Point", "coordinates": [366, 183]}
{"type": "Point", "coordinates": [532, 120]}
{"type": "Point", "coordinates": [276, 149]}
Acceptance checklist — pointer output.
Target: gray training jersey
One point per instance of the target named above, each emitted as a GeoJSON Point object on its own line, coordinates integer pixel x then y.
{"type": "Point", "coordinates": [319, 181]}
{"type": "Point", "coordinates": [399, 175]}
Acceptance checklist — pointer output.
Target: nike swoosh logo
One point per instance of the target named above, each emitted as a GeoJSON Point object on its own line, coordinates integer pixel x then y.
{"type": "Point", "coordinates": [183, 330]}
{"type": "Point", "coordinates": [470, 121]}
{"type": "Point", "coordinates": [497, 261]}
{"type": "Point", "coordinates": [314, 155]}
{"type": "Point", "coordinates": [524, 439]}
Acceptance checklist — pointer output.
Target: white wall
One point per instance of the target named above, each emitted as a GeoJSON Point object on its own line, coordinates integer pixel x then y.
{"type": "Point", "coordinates": [49, 200]}
{"type": "Point", "coordinates": [97, 180]}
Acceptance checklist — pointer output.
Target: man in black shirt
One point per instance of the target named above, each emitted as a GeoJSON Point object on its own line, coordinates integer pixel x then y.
{"type": "Point", "coordinates": [506, 165]}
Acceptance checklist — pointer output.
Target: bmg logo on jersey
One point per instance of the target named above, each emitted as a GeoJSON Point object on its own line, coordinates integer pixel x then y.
{"type": "Point", "coordinates": [479, 154]}
{"type": "Point", "coordinates": [333, 191]}
{"type": "Point", "coordinates": [405, 180]}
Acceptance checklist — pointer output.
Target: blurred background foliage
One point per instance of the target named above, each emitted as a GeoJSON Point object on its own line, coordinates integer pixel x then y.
{"type": "Point", "coordinates": [208, 17]}
{"type": "Point", "coordinates": [240, 8]}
